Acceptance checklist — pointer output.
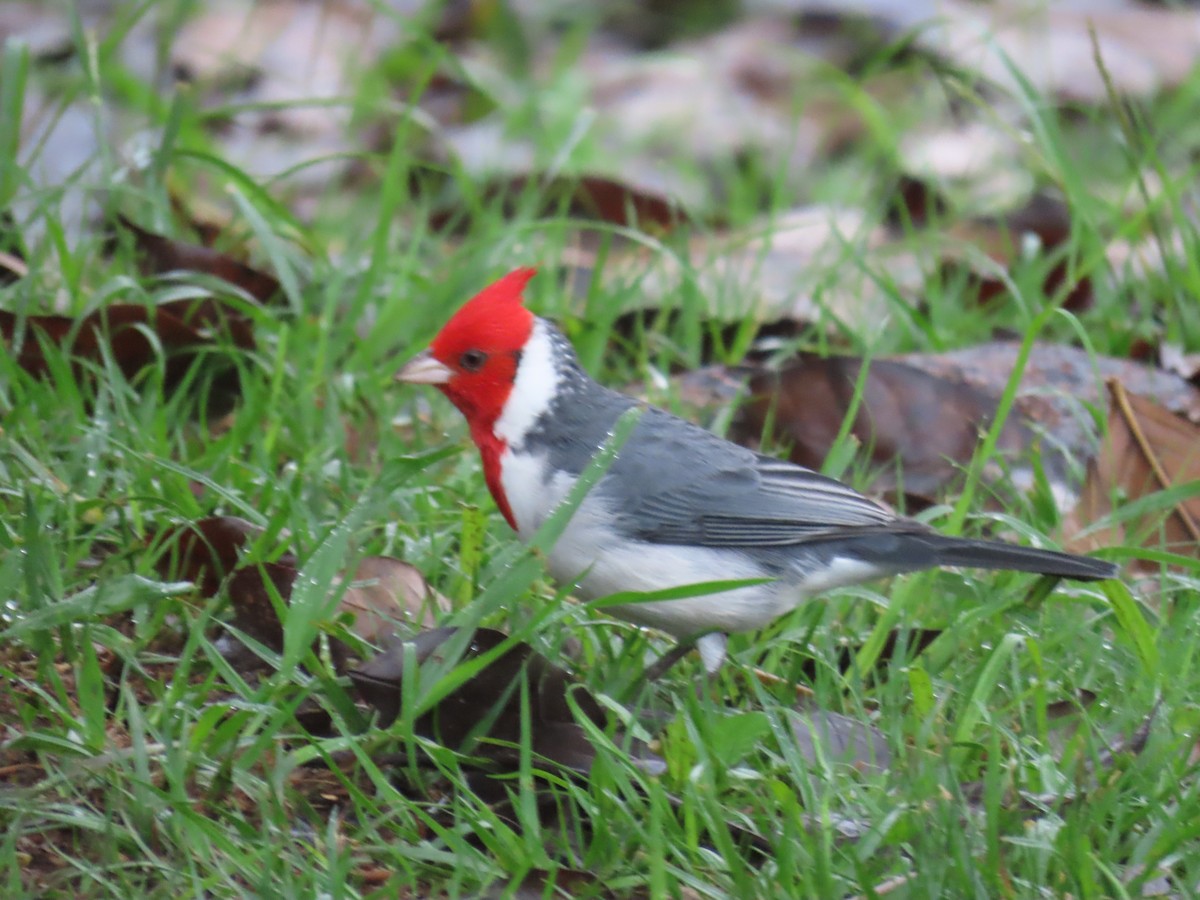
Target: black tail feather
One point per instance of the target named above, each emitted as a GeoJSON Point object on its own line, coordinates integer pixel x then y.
{"type": "Point", "coordinates": [981, 554]}
{"type": "Point", "coordinates": [912, 549]}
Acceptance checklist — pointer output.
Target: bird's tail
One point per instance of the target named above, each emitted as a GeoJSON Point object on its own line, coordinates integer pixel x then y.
{"type": "Point", "coordinates": [910, 551]}
{"type": "Point", "coordinates": [981, 554]}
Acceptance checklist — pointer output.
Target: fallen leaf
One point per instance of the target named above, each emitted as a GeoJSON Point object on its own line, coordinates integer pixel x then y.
{"type": "Point", "coordinates": [915, 202]}
{"type": "Point", "coordinates": [1070, 707]}
{"type": "Point", "coordinates": [205, 551]}
{"type": "Point", "coordinates": [288, 68]}
{"type": "Point", "coordinates": [162, 254]}
{"type": "Point", "coordinates": [796, 266]}
{"type": "Point", "coordinates": [806, 399]}
{"type": "Point", "coordinates": [1059, 389]}
{"type": "Point", "coordinates": [1148, 449]}
{"type": "Point", "coordinates": [133, 335]}
{"type": "Point", "coordinates": [980, 158]}
{"type": "Point", "coordinates": [488, 705]}
{"type": "Point", "coordinates": [1039, 228]}
{"type": "Point", "coordinates": [755, 91]}
{"type": "Point", "coordinates": [1143, 49]}
{"type": "Point", "coordinates": [1057, 381]}
{"type": "Point", "coordinates": [583, 197]}
{"type": "Point", "coordinates": [250, 593]}
{"type": "Point", "coordinates": [13, 266]}
{"type": "Point", "coordinates": [918, 430]}
{"type": "Point", "coordinates": [384, 591]}
{"type": "Point", "coordinates": [1047, 221]}
{"type": "Point", "coordinates": [1049, 46]}
{"type": "Point", "coordinates": [43, 27]}
{"type": "Point", "coordinates": [1174, 359]}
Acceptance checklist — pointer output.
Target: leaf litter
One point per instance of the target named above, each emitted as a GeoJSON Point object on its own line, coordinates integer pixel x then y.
{"type": "Point", "coordinates": [242, 54]}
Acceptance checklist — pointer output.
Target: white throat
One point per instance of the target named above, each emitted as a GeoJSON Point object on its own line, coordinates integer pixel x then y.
{"type": "Point", "coordinates": [533, 390]}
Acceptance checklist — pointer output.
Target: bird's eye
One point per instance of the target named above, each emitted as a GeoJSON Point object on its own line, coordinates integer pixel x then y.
{"type": "Point", "coordinates": [472, 360]}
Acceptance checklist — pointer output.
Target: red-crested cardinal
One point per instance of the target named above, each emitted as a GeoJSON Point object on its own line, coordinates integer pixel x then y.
{"type": "Point", "coordinates": [679, 505]}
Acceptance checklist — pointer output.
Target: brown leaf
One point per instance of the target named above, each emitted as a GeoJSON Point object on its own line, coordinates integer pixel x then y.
{"type": "Point", "coordinates": [915, 202]}
{"type": "Point", "coordinates": [254, 610]}
{"type": "Point", "coordinates": [1057, 372]}
{"type": "Point", "coordinates": [122, 328]}
{"type": "Point", "coordinates": [1070, 707]}
{"type": "Point", "coordinates": [1148, 449]}
{"type": "Point", "coordinates": [1048, 220]}
{"type": "Point", "coordinates": [385, 591]}
{"type": "Point", "coordinates": [488, 704]}
{"type": "Point", "coordinates": [1059, 386]}
{"type": "Point", "coordinates": [1044, 218]}
{"type": "Point", "coordinates": [162, 254]}
{"type": "Point", "coordinates": [922, 425]}
{"type": "Point", "coordinates": [584, 197]}
{"type": "Point", "coordinates": [205, 551]}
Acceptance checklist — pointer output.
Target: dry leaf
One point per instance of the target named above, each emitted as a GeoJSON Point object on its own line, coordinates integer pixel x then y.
{"type": "Point", "coordinates": [250, 593]}
{"type": "Point", "coordinates": [1148, 449]}
{"type": "Point", "coordinates": [977, 156]}
{"type": "Point", "coordinates": [384, 591]}
{"type": "Point", "coordinates": [919, 429]}
{"type": "Point", "coordinates": [207, 550]}
{"type": "Point", "coordinates": [1144, 48]}
{"type": "Point", "coordinates": [289, 68]}
{"type": "Point", "coordinates": [800, 265]}
{"type": "Point", "coordinates": [585, 197]}
{"type": "Point", "coordinates": [162, 254]}
{"type": "Point", "coordinates": [133, 335]}
{"type": "Point", "coordinates": [488, 705]}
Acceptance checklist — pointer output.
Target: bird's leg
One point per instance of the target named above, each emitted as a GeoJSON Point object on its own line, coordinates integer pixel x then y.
{"type": "Point", "coordinates": [712, 653]}
{"type": "Point", "coordinates": [666, 662]}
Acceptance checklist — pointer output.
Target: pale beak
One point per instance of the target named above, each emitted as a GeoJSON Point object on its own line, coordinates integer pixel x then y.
{"type": "Point", "coordinates": [424, 369]}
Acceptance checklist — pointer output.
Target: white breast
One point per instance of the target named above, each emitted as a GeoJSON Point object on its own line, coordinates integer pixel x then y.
{"type": "Point", "coordinates": [600, 561]}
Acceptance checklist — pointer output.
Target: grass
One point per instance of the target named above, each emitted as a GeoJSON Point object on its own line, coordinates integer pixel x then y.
{"type": "Point", "coordinates": [139, 762]}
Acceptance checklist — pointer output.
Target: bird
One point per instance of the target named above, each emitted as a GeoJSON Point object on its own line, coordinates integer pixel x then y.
{"type": "Point", "coordinates": [678, 505]}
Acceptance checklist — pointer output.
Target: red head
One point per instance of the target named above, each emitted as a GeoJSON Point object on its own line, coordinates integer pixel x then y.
{"type": "Point", "coordinates": [473, 359]}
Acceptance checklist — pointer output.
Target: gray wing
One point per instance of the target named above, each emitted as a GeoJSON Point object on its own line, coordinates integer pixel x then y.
{"type": "Point", "coordinates": [702, 490]}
